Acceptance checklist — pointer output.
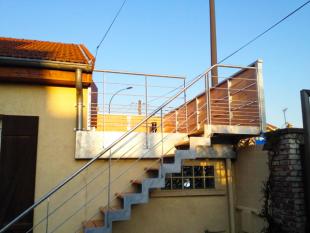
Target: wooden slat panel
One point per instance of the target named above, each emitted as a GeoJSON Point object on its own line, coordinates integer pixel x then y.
{"type": "Point", "coordinates": [219, 105]}
{"type": "Point", "coordinates": [202, 108]}
{"type": "Point", "coordinates": [181, 119]}
{"type": "Point", "coordinates": [243, 103]}
{"type": "Point", "coordinates": [192, 115]}
{"type": "Point", "coordinates": [170, 122]}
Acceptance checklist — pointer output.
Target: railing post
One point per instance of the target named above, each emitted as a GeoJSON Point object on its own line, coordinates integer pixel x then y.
{"type": "Point", "coordinates": [197, 114]}
{"type": "Point", "coordinates": [103, 99]}
{"type": "Point", "coordinates": [176, 121]}
{"type": "Point", "coordinates": [260, 91]}
{"type": "Point", "coordinates": [146, 108]}
{"type": "Point", "coordinates": [162, 136]}
{"type": "Point", "coordinates": [109, 187]}
{"type": "Point", "coordinates": [209, 101]}
{"type": "Point", "coordinates": [186, 119]}
{"type": "Point", "coordinates": [229, 101]}
{"type": "Point", "coordinates": [207, 97]}
{"type": "Point", "coordinates": [47, 214]}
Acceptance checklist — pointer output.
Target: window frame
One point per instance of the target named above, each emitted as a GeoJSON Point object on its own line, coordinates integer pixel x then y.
{"type": "Point", "coordinates": [219, 177]}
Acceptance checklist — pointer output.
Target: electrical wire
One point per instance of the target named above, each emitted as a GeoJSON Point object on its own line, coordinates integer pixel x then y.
{"type": "Point", "coordinates": [109, 28]}
{"type": "Point", "coordinates": [264, 32]}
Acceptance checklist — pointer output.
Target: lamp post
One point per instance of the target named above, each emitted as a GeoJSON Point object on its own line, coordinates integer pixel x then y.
{"type": "Point", "coordinates": [124, 89]}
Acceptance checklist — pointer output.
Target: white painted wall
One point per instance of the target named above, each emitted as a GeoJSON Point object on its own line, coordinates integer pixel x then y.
{"type": "Point", "coordinates": [90, 143]}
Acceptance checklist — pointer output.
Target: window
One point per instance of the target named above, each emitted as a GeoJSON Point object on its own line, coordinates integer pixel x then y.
{"type": "Point", "coordinates": [201, 174]}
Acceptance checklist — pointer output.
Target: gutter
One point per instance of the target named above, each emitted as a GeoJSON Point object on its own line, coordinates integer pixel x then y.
{"type": "Point", "coordinates": [58, 65]}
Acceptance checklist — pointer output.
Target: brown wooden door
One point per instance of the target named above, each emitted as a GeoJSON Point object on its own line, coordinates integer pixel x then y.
{"type": "Point", "coordinates": [17, 169]}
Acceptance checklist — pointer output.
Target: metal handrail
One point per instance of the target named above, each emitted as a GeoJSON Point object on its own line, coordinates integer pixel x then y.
{"type": "Point", "coordinates": [96, 157]}
{"type": "Point", "coordinates": [139, 74]}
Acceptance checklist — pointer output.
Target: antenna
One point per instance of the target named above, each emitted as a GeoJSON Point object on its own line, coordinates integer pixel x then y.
{"type": "Point", "coordinates": [284, 115]}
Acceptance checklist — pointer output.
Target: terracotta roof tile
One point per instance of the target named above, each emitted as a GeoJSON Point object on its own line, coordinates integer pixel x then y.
{"type": "Point", "coordinates": [45, 50]}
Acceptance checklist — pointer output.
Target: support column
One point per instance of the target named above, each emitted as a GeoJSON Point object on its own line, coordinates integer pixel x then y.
{"type": "Point", "coordinates": [230, 197]}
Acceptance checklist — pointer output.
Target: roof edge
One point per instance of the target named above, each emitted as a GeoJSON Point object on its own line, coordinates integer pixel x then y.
{"type": "Point", "coordinates": [37, 63]}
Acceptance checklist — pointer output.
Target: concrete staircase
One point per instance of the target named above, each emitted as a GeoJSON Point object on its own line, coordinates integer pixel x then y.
{"type": "Point", "coordinates": [171, 164]}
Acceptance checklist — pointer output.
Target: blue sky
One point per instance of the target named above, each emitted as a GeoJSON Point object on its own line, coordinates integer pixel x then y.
{"type": "Point", "coordinates": [172, 37]}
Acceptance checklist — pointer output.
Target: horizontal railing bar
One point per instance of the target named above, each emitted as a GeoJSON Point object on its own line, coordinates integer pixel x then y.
{"type": "Point", "coordinates": [141, 95]}
{"type": "Point", "coordinates": [234, 78]}
{"type": "Point", "coordinates": [139, 74]}
{"type": "Point", "coordinates": [236, 67]}
{"type": "Point", "coordinates": [133, 84]}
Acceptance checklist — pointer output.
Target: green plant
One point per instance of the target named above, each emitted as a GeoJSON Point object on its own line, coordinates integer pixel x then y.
{"type": "Point", "coordinates": [266, 211]}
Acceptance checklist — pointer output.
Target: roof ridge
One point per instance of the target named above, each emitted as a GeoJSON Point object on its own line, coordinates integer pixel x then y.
{"type": "Point", "coordinates": [89, 61]}
{"type": "Point", "coordinates": [88, 54]}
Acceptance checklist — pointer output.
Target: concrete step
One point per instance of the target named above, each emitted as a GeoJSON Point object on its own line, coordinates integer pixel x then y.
{"type": "Point", "coordinates": [182, 145]}
{"type": "Point", "coordinates": [128, 199]}
{"type": "Point", "coordinates": [198, 132]}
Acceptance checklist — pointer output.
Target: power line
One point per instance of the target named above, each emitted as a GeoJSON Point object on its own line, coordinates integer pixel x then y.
{"type": "Point", "coordinates": [109, 28]}
{"type": "Point", "coordinates": [264, 32]}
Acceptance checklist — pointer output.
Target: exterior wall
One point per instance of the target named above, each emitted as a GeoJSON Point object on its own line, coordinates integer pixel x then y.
{"type": "Point", "coordinates": [191, 214]}
{"type": "Point", "coordinates": [251, 170]}
{"type": "Point", "coordinates": [287, 192]}
{"type": "Point", "coordinates": [55, 107]}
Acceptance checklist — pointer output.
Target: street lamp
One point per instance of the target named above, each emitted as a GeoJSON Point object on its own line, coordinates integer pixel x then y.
{"type": "Point", "coordinates": [124, 89]}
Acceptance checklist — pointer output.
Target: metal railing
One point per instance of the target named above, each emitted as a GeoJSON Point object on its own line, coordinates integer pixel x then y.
{"type": "Point", "coordinates": [86, 189]}
{"type": "Point", "coordinates": [133, 94]}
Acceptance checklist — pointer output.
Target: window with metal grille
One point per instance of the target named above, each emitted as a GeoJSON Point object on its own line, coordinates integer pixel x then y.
{"type": "Point", "coordinates": [196, 175]}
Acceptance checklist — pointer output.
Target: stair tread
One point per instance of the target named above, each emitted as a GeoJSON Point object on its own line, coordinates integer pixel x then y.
{"type": "Point", "coordinates": [93, 223]}
{"type": "Point", "coordinates": [111, 209]}
{"type": "Point", "coordinates": [198, 132]}
{"type": "Point", "coordinates": [151, 169]}
{"type": "Point", "coordinates": [182, 143]}
{"type": "Point", "coordinates": [136, 181]}
{"type": "Point", "coordinates": [121, 195]}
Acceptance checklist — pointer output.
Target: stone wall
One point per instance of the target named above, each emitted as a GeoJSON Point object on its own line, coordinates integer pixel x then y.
{"type": "Point", "coordinates": [286, 188]}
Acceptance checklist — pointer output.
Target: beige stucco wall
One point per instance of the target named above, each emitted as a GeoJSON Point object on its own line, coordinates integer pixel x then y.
{"type": "Point", "coordinates": [55, 107]}
{"type": "Point", "coordinates": [192, 214]}
{"type": "Point", "coordinates": [251, 170]}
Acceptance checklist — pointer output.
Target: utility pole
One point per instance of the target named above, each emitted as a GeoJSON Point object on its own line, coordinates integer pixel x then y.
{"type": "Point", "coordinates": [214, 71]}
